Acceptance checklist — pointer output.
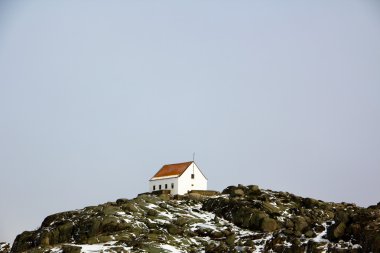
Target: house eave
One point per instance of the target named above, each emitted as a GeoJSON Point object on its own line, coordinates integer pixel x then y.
{"type": "Point", "coordinates": [160, 178]}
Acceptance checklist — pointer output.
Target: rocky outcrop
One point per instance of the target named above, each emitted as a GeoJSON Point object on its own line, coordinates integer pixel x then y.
{"type": "Point", "coordinates": [4, 247]}
{"type": "Point", "coordinates": [358, 225]}
{"type": "Point", "coordinates": [240, 219]}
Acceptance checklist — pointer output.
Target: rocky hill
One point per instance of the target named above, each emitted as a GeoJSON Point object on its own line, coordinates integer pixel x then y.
{"type": "Point", "coordinates": [240, 219]}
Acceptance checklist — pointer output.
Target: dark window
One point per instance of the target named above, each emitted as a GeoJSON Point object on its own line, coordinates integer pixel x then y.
{"type": "Point", "coordinates": [166, 186]}
{"type": "Point", "coordinates": [192, 176]}
{"type": "Point", "coordinates": [154, 187]}
{"type": "Point", "coordinates": [172, 185]}
{"type": "Point", "coordinates": [159, 187]}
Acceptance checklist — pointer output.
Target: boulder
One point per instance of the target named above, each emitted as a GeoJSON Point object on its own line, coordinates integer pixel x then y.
{"type": "Point", "coordinates": [310, 234]}
{"type": "Point", "coordinates": [342, 217]}
{"type": "Point", "coordinates": [174, 230]}
{"type": "Point", "coordinates": [237, 193]}
{"type": "Point", "coordinates": [165, 197]}
{"type": "Point", "coordinates": [23, 242]}
{"type": "Point", "coordinates": [230, 240]}
{"type": "Point", "coordinates": [152, 213]}
{"type": "Point", "coordinates": [268, 225]}
{"type": "Point", "coordinates": [112, 224]}
{"type": "Point", "coordinates": [122, 201]}
{"type": "Point", "coordinates": [336, 231]}
{"type": "Point", "coordinates": [234, 191]}
{"type": "Point", "coordinates": [289, 224]}
{"type": "Point", "coordinates": [310, 203]}
{"type": "Point", "coordinates": [196, 196]}
{"type": "Point", "coordinates": [181, 221]}
{"type": "Point", "coordinates": [130, 207]}
{"type": "Point", "coordinates": [71, 249]}
{"type": "Point", "coordinates": [5, 247]}
{"type": "Point", "coordinates": [300, 224]}
{"type": "Point", "coordinates": [269, 208]}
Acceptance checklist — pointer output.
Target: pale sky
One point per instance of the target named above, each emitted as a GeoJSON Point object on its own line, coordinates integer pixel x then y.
{"type": "Point", "coordinates": [95, 96]}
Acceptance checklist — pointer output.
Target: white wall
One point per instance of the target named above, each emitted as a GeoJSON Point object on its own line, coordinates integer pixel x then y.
{"type": "Point", "coordinates": [162, 182]}
{"type": "Point", "coordinates": [186, 183]}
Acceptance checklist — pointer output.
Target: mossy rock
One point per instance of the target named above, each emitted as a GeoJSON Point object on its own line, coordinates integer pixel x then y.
{"type": "Point", "coordinates": [152, 213]}
{"type": "Point", "coordinates": [317, 247]}
{"type": "Point", "coordinates": [152, 237]}
{"type": "Point", "coordinates": [238, 193]}
{"type": "Point", "coordinates": [108, 210]}
{"type": "Point", "coordinates": [256, 219]}
{"type": "Point", "coordinates": [119, 249]}
{"type": "Point", "coordinates": [300, 224]}
{"type": "Point", "coordinates": [181, 221]}
{"type": "Point", "coordinates": [124, 238]}
{"type": "Point", "coordinates": [148, 198]}
{"type": "Point", "coordinates": [71, 249]}
{"type": "Point", "coordinates": [220, 247]}
{"type": "Point", "coordinates": [337, 232]}
{"type": "Point", "coordinates": [342, 217]}
{"type": "Point", "coordinates": [65, 232]}
{"type": "Point", "coordinates": [289, 224]}
{"type": "Point", "coordinates": [164, 197]}
{"type": "Point", "coordinates": [23, 241]}
{"type": "Point", "coordinates": [130, 207]}
{"type": "Point", "coordinates": [310, 203]}
{"type": "Point", "coordinates": [230, 240]}
{"type": "Point", "coordinates": [113, 224]}
{"type": "Point", "coordinates": [310, 234]}
{"type": "Point", "coordinates": [196, 196]}
{"type": "Point", "coordinates": [234, 191]}
{"type": "Point", "coordinates": [5, 247]}
{"type": "Point", "coordinates": [173, 229]}
{"type": "Point", "coordinates": [268, 225]}
{"type": "Point", "coordinates": [122, 201]}
{"type": "Point", "coordinates": [99, 239]}
{"type": "Point", "coordinates": [269, 208]}
{"type": "Point", "coordinates": [217, 234]}
{"type": "Point", "coordinates": [152, 248]}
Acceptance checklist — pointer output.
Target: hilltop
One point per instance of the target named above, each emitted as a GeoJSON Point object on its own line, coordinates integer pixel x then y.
{"type": "Point", "coordinates": [239, 219]}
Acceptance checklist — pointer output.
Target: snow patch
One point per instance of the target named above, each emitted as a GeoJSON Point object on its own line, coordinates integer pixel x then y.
{"type": "Point", "coordinates": [170, 248]}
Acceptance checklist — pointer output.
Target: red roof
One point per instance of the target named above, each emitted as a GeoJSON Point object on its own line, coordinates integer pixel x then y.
{"type": "Point", "coordinates": [172, 169]}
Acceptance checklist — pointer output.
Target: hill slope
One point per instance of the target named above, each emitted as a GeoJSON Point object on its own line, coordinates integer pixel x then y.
{"type": "Point", "coordinates": [241, 219]}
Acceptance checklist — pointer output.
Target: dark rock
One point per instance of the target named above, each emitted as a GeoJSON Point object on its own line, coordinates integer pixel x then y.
{"type": "Point", "coordinates": [196, 196]}
{"type": "Point", "coordinates": [289, 224]}
{"type": "Point", "coordinates": [122, 201]}
{"type": "Point", "coordinates": [238, 193]}
{"type": "Point", "coordinates": [269, 208]}
{"type": "Point", "coordinates": [24, 241]}
{"type": "Point", "coordinates": [152, 213]}
{"type": "Point", "coordinates": [336, 231]}
{"type": "Point", "coordinates": [268, 225]}
{"type": "Point", "coordinates": [310, 234]}
{"type": "Point", "coordinates": [5, 247]}
{"type": "Point", "coordinates": [71, 249]}
{"type": "Point", "coordinates": [300, 224]}
{"type": "Point", "coordinates": [174, 230]}
{"type": "Point", "coordinates": [130, 207]}
{"type": "Point", "coordinates": [231, 240]}
{"type": "Point", "coordinates": [310, 203]}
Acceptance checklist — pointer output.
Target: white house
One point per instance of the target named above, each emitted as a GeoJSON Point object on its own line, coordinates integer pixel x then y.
{"type": "Point", "coordinates": [179, 178]}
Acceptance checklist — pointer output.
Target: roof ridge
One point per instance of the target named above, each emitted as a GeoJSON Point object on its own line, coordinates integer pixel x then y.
{"type": "Point", "coordinates": [178, 163]}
